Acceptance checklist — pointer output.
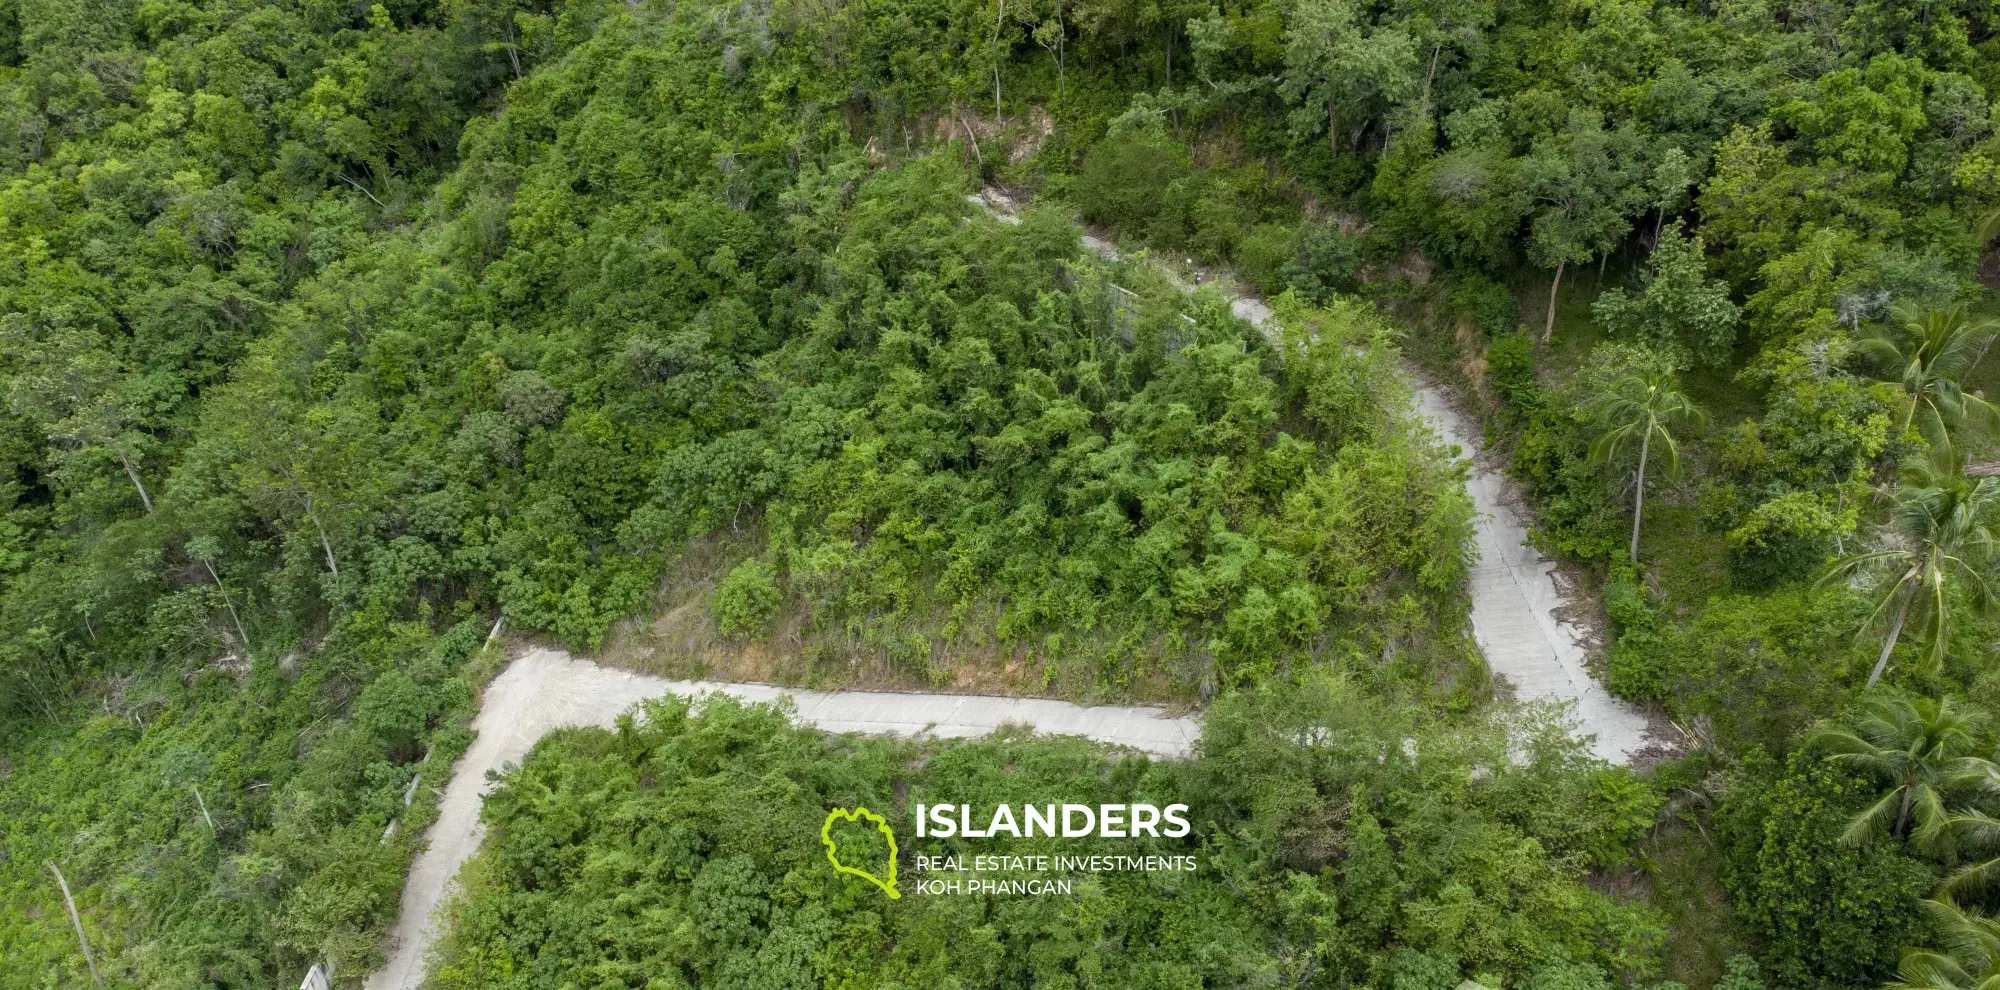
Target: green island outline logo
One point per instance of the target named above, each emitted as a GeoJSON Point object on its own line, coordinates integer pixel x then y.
{"type": "Point", "coordinates": [832, 848]}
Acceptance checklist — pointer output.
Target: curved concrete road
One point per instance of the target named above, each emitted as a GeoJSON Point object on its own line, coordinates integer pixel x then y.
{"type": "Point", "coordinates": [1515, 596]}
{"type": "Point", "coordinates": [1515, 599]}
{"type": "Point", "coordinates": [548, 689]}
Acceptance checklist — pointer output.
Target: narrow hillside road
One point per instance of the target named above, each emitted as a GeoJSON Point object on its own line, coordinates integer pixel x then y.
{"type": "Point", "coordinates": [1515, 597]}
{"type": "Point", "coordinates": [548, 689]}
{"type": "Point", "coordinates": [1515, 600]}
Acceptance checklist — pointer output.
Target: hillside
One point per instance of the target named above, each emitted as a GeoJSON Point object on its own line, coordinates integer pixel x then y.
{"type": "Point", "coordinates": [665, 330]}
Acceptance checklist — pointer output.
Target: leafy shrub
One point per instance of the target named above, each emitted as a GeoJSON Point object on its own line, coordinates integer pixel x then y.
{"type": "Point", "coordinates": [1788, 538]}
{"type": "Point", "coordinates": [1493, 307]}
{"type": "Point", "coordinates": [1510, 368]}
{"type": "Point", "coordinates": [1681, 311]}
{"type": "Point", "coordinates": [1636, 658]}
{"type": "Point", "coordinates": [1124, 183]}
{"type": "Point", "coordinates": [1828, 914]}
{"type": "Point", "coordinates": [746, 599]}
{"type": "Point", "coordinates": [1262, 252]}
{"type": "Point", "coordinates": [1741, 973]}
{"type": "Point", "coordinates": [1325, 261]}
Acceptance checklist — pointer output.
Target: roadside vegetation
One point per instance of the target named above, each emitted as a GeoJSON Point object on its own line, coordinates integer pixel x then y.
{"type": "Point", "coordinates": [334, 334]}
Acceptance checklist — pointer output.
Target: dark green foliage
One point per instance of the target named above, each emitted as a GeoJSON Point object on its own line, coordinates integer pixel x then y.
{"type": "Point", "coordinates": [1327, 260]}
{"type": "Point", "coordinates": [1827, 913]}
{"type": "Point", "coordinates": [745, 599]}
{"type": "Point", "coordinates": [1493, 307]}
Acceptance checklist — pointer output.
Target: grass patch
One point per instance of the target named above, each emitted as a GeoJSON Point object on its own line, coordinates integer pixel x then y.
{"type": "Point", "coordinates": [1688, 561]}
{"type": "Point", "coordinates": [1687, 890]}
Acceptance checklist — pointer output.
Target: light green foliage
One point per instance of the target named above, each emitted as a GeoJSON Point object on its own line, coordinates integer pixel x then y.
{"type": "Point", "coordinates": [1680, 311]}
{"type": "Point", "coordinates": [1864, 119]}
{"type": "Point", "coordinates": [745, 599]}
{"type": "Point", "coordinates": [1741, 974]}
{"type": "Point", "coordinates": [1789, 487]}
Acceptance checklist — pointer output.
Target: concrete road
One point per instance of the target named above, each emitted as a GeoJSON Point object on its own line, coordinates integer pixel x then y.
{"type": "Point", "coordinates": [548, 689]}
{"type": "Point", "coordinates": [1515, 598]}
{"type": "Point", "coordinates": [1514, 603]}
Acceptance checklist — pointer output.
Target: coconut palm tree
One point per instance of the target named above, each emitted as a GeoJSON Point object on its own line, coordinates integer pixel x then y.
{"type": "Point", "coordinates": [1642, 409]}
{"type": "Point", "coordinates": [1923, 748]}
{"type": "Point", "coordinates": [1970, 959]}
{"type": "Point", "coordinates": [1941, 531]}
{"type": "Point", "coordinates": [1928, 353]}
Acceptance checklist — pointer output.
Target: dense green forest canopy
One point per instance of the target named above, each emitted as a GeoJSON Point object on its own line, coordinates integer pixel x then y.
{"type": "Point", "coordinates": [333, 332]}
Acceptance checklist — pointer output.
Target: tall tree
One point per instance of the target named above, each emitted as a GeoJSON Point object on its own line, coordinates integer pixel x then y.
{"type": "Point", "coordinates": [1926, 750]}
{"type": "Point", "coordinates": [1580, 186]}
{"type": "Point", "coordinates": [1940, 529]}
{"type": "Point", "coordinates": [1969, 960]}
{"type": "Point", "coordinates": [1334, 56]}
{"type": "Point", "coordinates": [1928, 353]}
{"type": "Point", "coordinates": [1642, 409]}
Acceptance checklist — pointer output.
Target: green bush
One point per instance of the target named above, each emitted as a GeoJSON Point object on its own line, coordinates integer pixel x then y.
{"type": "Point", "coordinates": [1637, 657]}
{"type": "Point", "coordinates": [1493, 307]}
{"type": "Point", "coordinates": [1325, 261]}
{"type": "Point", "coordinates": [746, 599]}
{"type": "Point", "coordinates": [1124, 183]}
{"type": "Point", "coordinates": [1827, 914]}
{"type": "Point", "coordinates": [1788, 538]}
{"type": "Point", "coordinates": [1510, 368]}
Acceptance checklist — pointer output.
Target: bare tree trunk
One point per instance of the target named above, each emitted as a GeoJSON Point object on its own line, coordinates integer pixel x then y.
{"type": "Point", "coordinates": [133, 473]}
{"type": "Point", "coordinates": [203, 805]}
{"type": "Point", "coordinates": [1895, 630]}
{"type": "Point", "coordinates": [1428, 76]}
{"type": "Point", "coordinates": [993, 49]}
{"type": "Point", "coordinates": [1332, 131]}
{"type": "Point", "coordinates": [1549, 328]}
{"type": "Point", "coordinates": [1639, 503]}
{"type": "Point", "coordinates": [969, 136]}
{"type": "Point", "coordinates": [324, 543]}
{"type": "Point", "coordinates": [1062, 79]}
{"type": "Point", "coordinates": [77, 920]}
{"type": "Point", "coordinates": [226, 603]}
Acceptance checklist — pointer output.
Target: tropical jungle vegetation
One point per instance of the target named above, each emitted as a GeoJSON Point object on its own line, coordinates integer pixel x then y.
{"type": "Point", "coordinates": [340, 339]}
